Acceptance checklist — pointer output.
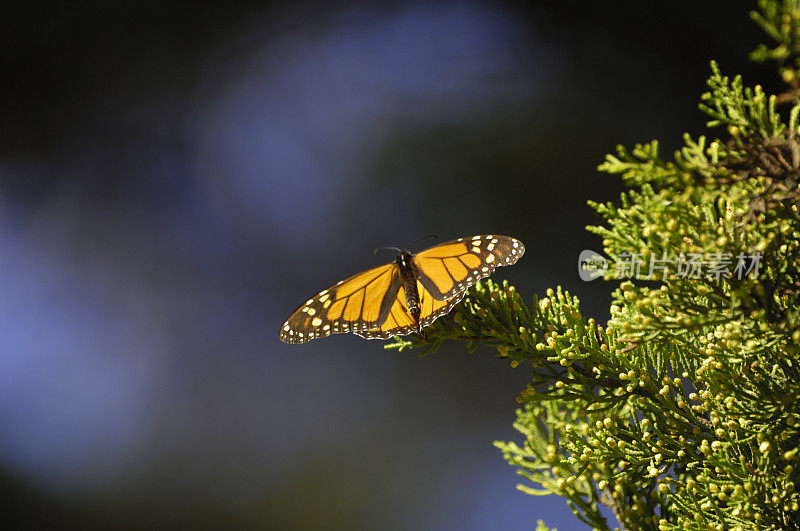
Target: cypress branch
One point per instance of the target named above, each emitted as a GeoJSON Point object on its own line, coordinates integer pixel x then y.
{"type": "Point", "coordinates": [683, 411]}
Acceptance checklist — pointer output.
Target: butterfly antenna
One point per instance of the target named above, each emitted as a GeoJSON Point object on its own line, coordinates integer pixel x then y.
{"type": "Point", "coordinates": [421, 239]}
{"type": "Point", "coordinates": [376, 249]}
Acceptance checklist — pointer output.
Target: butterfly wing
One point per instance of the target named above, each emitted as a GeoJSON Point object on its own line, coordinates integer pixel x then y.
{"type": "Point", "coordinates": [448, 269]}
{"type": "Point", "coordinates": [398, 322]}
{"type": "Point", "coordinates": [363, 301]}
{"type": "Point", "coordinates": [432, 308]}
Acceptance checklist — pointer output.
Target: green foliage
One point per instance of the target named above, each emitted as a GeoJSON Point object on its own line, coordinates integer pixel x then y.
{"type": "Point", "coordinates": [541, 527]}
{"type": "Point", "coordinates": [683, 412]}
{"type": "Point", "coordinates": [780, 19]}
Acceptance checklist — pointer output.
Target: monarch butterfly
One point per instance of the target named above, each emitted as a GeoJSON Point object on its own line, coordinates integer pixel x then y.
{"type": "Point", "coordinates": [404, 296]}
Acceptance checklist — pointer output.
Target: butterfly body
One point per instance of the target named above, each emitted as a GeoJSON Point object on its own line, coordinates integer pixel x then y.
{"type": "Point", "coordinates": [409, 277]}
{"type": "Point", "coordinates": [404, 296]}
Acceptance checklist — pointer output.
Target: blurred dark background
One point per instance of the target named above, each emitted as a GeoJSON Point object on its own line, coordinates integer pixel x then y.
{"type": "Point", "coordinates": [176, 177]}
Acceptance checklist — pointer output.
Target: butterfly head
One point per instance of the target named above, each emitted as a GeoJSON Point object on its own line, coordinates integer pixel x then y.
{"type": "Point", "coordinates": [403, 259]}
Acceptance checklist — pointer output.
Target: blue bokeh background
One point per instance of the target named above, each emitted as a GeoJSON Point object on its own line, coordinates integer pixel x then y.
{"type": "Point", "coordinates": [176, 177]}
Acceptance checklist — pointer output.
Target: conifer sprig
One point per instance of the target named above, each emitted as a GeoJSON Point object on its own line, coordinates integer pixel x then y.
{"type": "Point", "coordinates": [683, 412]}
{"type": "Point", "coordinates": [780, 19]}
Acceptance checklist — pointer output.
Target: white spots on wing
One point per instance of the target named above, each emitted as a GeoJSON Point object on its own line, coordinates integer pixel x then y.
{"type": "Point", "coordinates": [286, 326]}
{"type": "Point", "coordinates": [476, 249]}
{"type": "Point", "coordinates": [516, 244]}
{"type": "Point", "coordinates": [311, 311]}
{"type": "Point", "coordinates": [324, 296]}
{"type": "Point", "coordinates": [490, 247]}
{"type": "Point", "coordinates": [326, 303]}
{"type": "Point", "coordinates": [316, 321]}
{"type": "Point", "coordinates": [485, 269]}
{"type": "Point", "coordinates": [476, 238]}
{"type": "Point", "coordinates": [490, 259]}
{"type": "Point", "coordinates": [494, 240]}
